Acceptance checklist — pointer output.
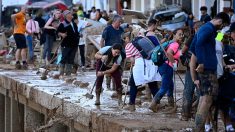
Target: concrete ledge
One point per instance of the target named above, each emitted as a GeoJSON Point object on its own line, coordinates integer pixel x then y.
{"type": "Point", "coordinates": [46, 95]}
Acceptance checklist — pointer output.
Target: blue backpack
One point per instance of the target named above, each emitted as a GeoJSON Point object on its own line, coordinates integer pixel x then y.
{"type": "Point", "coordinates": [158, 55]}
{"type": "Point", "coordinates": [145, 45]}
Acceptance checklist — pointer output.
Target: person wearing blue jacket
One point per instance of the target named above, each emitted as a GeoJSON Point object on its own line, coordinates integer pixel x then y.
{"type": "Point", "coordinates": [207, 66]}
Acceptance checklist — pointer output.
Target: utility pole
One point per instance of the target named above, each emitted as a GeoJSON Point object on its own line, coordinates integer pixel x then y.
{"type": "Point", "coordinates": [0, 12]}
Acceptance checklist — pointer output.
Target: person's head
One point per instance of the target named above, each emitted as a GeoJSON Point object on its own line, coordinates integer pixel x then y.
{"type": "Point", "coordinates": [220, 20]}
{"type": "Point", "coordinates": [230, 12]}
{"type": "Point", "coordinates": [68, 15]}
{"type": "Point", "coordinates": [232, 31]}
{"type": "Point", "coordinates": [29, 16]}
{"type": "Point", "coordinates": [93, 9]}
{"type": "Point", "coordinates": [39, 13]}
{"type": "Point", "coordinates": [203, 10]}
{"type": "Point", "coordinates": [190, 15]}
{"type": "Point", "coordinates": [57, 14]}
{"type": "Point", "coordinates": [116, 21]}
{"type": "Point", "coordinates": [178, 35]}
{"type": "Point", "coordinates": [116, 50]}
{"type": "Point", "coordinates": [23, 9]}
{"type": "Point", "coordinates": [152, 24]}
{"type": "Point", "coordinates": [197, 25]}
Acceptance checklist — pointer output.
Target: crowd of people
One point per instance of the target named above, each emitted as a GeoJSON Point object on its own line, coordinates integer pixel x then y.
{"type": "Point", "coordinates": [208, 55]}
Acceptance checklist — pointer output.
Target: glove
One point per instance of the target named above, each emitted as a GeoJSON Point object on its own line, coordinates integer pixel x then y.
{"type": "Point", "coordinates": [175, 66]}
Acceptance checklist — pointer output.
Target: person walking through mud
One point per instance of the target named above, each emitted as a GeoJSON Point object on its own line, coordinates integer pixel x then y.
{"type": "Point", "coordinates": [189, 88]}
{"type": "Point", "coordinates": [108, 62]}
{"type": "Point", "coordinates": [207, 66]}
{"type": "Point", "coordinates": [166, 70]}
{"type": "Point", "coordinates": [19, 23]}
{"type": "Point", "coordinates": [138, 76]}
{"type": "Point", "coordinates": [50, 35]}
{"type": "Point", "coordinates": [69, 45]}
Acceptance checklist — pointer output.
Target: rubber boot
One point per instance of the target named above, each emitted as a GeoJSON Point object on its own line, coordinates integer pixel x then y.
{"type": "Point", "coordinates": [170, 101]}
{"type": "Point", "coordinates": [61, 69]}
{"type": "Point", "coordinates": [130, 108]}
{"type": "Point", "coordinates": [68, 69]}
{"type": "Point", "coordinates": [153, 106]}
{"type": "Point", "coordinates": [108, 82]}
{"type": "Point", "coordinates": [97, 101]}
{"type": "Point", "coordinates": [74, 69]}
{"type": "Point", "coordinates": [119, 99]}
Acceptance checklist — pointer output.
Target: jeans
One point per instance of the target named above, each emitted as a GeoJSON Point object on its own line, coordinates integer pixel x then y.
{"type": "Point", "coordinates": [30, 46]}
{"type": "Point", "coordinates": [48, 47]}
{"type": "Point", "coordinates": [188, 94]}
{"type": "Point", "coordinates": [82, 53]}
{"type": "Point", "coordinates": [68, 55]}
{"type": "Point", "coordinates": [167, 86]}
{"type": "Point", "coordinates": [133, 89]}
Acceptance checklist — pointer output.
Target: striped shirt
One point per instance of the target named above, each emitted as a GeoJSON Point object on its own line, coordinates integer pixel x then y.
{"type": "Point", "coordinates": [131, 51]}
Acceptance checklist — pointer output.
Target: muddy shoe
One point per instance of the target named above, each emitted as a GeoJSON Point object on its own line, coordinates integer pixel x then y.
{"type": "Point", "coordinates": [153, 106]}
{"type": "Point", "coordinates": [97, 101]}
{"type": "Point", "coordinates": [25, 66]}
{"type": "Point", "coordinates": [119, 99]}
{"type": "Point", "coordinates": [130, 108]}
{"type": "Point", "coordinates": [18, 66]}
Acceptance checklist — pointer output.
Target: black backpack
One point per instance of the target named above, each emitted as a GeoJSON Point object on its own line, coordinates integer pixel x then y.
{"type": "Point", "coordinates": [145, 46]}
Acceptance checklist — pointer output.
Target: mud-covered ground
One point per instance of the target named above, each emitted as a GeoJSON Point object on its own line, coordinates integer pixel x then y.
{"type": "Point", "coordinates": [142, 118]}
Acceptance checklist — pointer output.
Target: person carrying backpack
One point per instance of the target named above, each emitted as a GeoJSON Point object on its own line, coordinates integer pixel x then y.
{"type": "Point", "coordinates": [109, 59]}
{"type": "Point", "coordinates": [166, 71]}
{"type": "Point", "coordinates": [143, 71]}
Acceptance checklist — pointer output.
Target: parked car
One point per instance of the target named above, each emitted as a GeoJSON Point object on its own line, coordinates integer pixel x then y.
{"type": "Point", "coordinates": [171, 17]}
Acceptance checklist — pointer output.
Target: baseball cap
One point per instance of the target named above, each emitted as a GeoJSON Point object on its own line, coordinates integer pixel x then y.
{"type": "Point", "coordinates": [66, 12]}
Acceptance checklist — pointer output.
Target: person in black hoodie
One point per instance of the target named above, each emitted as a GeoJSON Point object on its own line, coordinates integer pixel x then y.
{"type": "Point", "coordinates": [69, 33]}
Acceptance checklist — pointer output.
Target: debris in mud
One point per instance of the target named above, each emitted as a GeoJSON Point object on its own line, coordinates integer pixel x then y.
{"type": "Point", "coordinates": [76, 82]}
{"type": "Point", "coordinates": [83, 85]}
{"type": "Point", "coordinates": [56, 76]}
{"type": "Point", "coordinates": [69, 80]}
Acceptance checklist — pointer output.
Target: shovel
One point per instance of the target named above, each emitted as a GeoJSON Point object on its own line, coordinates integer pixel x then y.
{"type": "Point", "coordinates": [89, 95]}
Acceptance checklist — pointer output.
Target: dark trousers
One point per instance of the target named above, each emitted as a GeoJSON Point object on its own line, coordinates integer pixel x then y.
{"type": "Point", "coordinates": [82, 54]}
{"type": "Point", "coordinates": [48, 47]}
{"type": "Point", "coordinates": [133, 89]}
{"type": "Point", "coordinates": [68, 55]}
{"type": "Point", "coordinates": [116, 76]}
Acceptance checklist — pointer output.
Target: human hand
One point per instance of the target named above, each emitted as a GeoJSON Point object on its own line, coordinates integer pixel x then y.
{"type": "Point", "coordinates": [104, 58]}
{"type": "Point", "coordinates": [200, 68]}
{"type": "Point", "coordinates": [196, 83]}
{"type": "Point", "coordinates": [100, 73]}
{"type": "Point", "coordinates": [63, 35]}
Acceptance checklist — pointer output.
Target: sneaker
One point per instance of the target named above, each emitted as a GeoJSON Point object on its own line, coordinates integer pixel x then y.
{"type": "Point", "coordinates": [83, 68]}
{"type": "Point", "coordinates": [229, 128]}
{"type": "Point", "coordinates": [18, 65]}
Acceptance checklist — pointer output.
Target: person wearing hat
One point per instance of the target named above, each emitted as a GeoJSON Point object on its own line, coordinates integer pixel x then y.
{"type": "Point", "coordinates": [69, 45]}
